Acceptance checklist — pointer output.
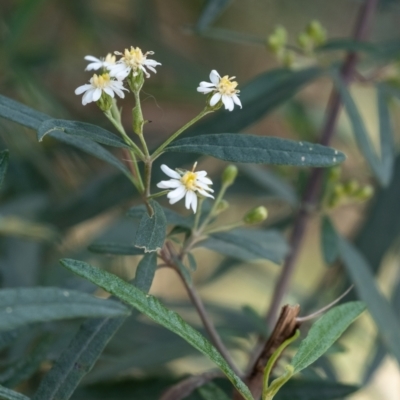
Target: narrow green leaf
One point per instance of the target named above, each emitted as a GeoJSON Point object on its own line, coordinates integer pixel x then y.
{"type": "Point", "coordinates": [120, 249]}
{"type": "Point", "coordinates": [329, 240]}
{"type": "Point", "coordinates": [151, 233]}
{"type": "Point", "coordinates": [192, 262]}
{"type": "Point", "coordinates": [324, 333]}
{"type": "Point", "coordinates": [259, 149]}
{"type": "Point", "coordinates": [360, 132]}
{"type": "Point", "coordinates": [381, 311]}
{"type": "Point", "coordinates": [77, 359]}
{"type": "Point", "coordinates": [248, 244]}
{"type": "Point", "coordinates": [4, 155]}
{"type": "Point", "coordinates": [173, 218]}
{"type": "Point", "coordinates": [145, 272]}
{"type": "Point", "coordinates": [297, 389]}
{"type": "Point", "coordinates": [27, 305]}
{"type": "Point", "coordinates": [92, 148]}
{"type": "Point", "coordinates": [18, 112]}
{"type": "Point", "coordinates": [211, 11]}
{"type": "Point", "coordinates": [347, 45]}
{"type": "Point", "coordinates": [150, 306]}
{"type": "Point", "coordinates": [8, 394]}
{"type": "Point", "coordinates": [388, 146]}
{"type": "Point", "coordinates": [211, 391]}
{"type": "Point", "coordinates": [80, 129]}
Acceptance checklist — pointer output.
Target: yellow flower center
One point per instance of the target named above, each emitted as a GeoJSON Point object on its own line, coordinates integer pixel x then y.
{"type": "Point", "coordinates": [101, 81]}
{"type": "Point", "coordinates": [227, 86]}
{"type": "Point", "coordinates": [189, 180]}
{"type": "Point", "coordinates": [110, 58]}
{"type": "Point", "coordinates": [134, 57]}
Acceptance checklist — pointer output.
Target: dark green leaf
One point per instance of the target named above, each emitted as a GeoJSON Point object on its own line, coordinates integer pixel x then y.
{"type": "Point", "coordinates": [324, 333]}
{"type": "Point", "coordinates": [360, 132]}
{"type": "Point", "coordinates": [115, 249]}
{"type": "Point", "coordinates": [347, 45]}
{"type": "Point", "coordinates": [248, 244]}
{"type": "Point", "coordinates": [4, 155]}
{"type": "Point", "coordinates": [259, 149]}
{"type": "Point", "coordinates": [23, 115]}
{"type": "Point", "coordinates": [388, 147]}
{"type": "Point", "coordinates": [27, 305]}
{"type": "Point", "coordinates": [211, 12]}
{"type": "Point", "coordinates": [150, 306]}
{"type": "Point", "coordinates": [173, 218]}
{"type": "Point", "coordinates": [211, 391]}
{"type": "Point", "coordinates": [80, 129]}
{"type": "Point", "coordinates": [314, 390]}
{"type": "Point", "coordinates": [8, 394]}
{"type": "Point", "coordinates": [92, 148]}
{"type": "Point", "coordinates": [145, 272]}
{"type": "Point", "coordinates": [78, 359]}
{"type": "Point", "coordinates": [381, 311]}
{"type": "Point", "coordinates": [329, 239]}
{"type": "Point", "coordinates": [192, 262]}
{"type": "Point", "coordinates": [151, 233]}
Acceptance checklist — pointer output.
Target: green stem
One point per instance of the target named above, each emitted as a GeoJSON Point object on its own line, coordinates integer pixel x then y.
{"type": "Point", "coordinates": [159, 150]}
{"type": "Point", "coordinates": [223, 228]}
{"type": "Point", "coordinates": [271, 362]}
{"type": "Point", "coordinates": [158, 194]}
{"type": "Point", "coordinates": [198, 214]}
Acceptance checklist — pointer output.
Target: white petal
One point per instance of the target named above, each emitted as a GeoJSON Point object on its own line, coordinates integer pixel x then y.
{"type": "Point", "coordinates": [237, 100]}
{"type": "Point", "coordinates": [214, 77]}
{"type": "Point", "coordinates": [206, 84]}
{"type": "Point", "coordinates": [204, 180]}
{"type": "Point", "coordinates": [97, 94]}
{"type": "Point", "coordinates": [109, 91]}
{"type": "Point", "coordinates": [227, 100]}
{"type": "Point", "coordinates": [171, 184]}
{"type": "Point", "coordinates": [170, 172]}
{"type": "Point", "coordinates": [203, 186]}
{"type": "Point", "coordinates": [151, 68]}
{"type": "Point", "coordinates": [204, 89]}
{"type": "Point", "coordinates": [152, 63]}
{"type": "Point", "coordinates": [91, 58]}
{"type": "Point", "coordinates": [215, 99]}
{"type": "Point", "coordinates": [205, 194]}
{"type": "Point", "coordinates": [88, 97]}
{"type": "Point", "coordinates": [94, 66]}
{"type": "Point", "coordinates": [190, 198]}
{"type": "Point", "coordinates": [176, 194]}
{"type": "Point", "coordinates": [82, 88]}
{"type": "Point", "coordinates": [201, 174]}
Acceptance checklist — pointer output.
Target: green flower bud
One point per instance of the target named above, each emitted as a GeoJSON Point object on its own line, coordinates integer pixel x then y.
{"type": "Point", "coordinates": [334, 174]}
{"type": "Point", "coordinates": [351, 187]}
{"type": "Point", "coordinates": [229, 175]}
{"type": "Point", "coordinates": [288, 58]}
{"type": "Point", "coordinates": [136, 82]}
{"type": "Point", "coordinates": [277, 40]}
{"type": "Point", "coordinates": [105, 102]}
{"type": "Point", "coordinates": [305, 41]}
{"type": "Point", "coordinates": [256, 215]}
{"type": "Point", "coordinates": [339, 190]}
{"type": "Point", "coordinates": [365, 193]}
{"type": "Point", "coordinates": [316, 32]}
{"type": "Point", "coordinates": [222, 206]}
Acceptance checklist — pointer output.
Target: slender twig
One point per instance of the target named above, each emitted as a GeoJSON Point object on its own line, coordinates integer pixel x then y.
{"type": "Point", "coordinates": [315, 182]}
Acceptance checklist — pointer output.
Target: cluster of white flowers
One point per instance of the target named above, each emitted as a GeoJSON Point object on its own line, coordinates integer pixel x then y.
{"type": "Point", "coordinates": [110, 81]}
{"type": "Point", "coordinates": [186, 184]}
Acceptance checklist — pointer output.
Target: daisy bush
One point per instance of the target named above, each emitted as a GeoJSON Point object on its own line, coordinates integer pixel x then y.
{"type": "Point", "coordinates": [180, 204]}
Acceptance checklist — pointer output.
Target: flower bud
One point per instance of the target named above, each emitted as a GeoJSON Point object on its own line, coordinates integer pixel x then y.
{"type": "Point", "coordinates": [105, 102]}
{"type": "Point", "coordinates": [256, 215]}
{"type": "Point", "coordinates": [305, 41]}
{"type": "Point", "coordinates": [288, 59]}
{"type": "Point", "coordinates": [334, 174]}
{"type": "Point", "coordinates": [277, 40]}
{"type": "Point", "coordinates": [351, 187]}
{"type": "Point", "coordinates": [135, 81]}
{"type": "Point", "coordinates": [316, 32]}
{"type": "Point", "coordinates": [222, 206]}
{"type": "Point", "coordinates": [365, 193]}
{"type": "Point", "coordinates": [338, 189]}
{"type": "Point", "coordinates": [229, 175]}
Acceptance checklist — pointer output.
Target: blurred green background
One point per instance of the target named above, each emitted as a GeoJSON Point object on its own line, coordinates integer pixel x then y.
{"type": "Point", "coordinates": [57, 200]}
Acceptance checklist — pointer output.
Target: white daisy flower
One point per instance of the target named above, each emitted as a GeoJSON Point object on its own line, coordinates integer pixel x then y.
{"type": "Point", "coordinates": [186, 183]}
{"type": "Point", "coordinates": [99, 84]}
{"type": "Point", "coordinates": [98, 63]}
{"type": "Point", "coordinates": [224, 89]}
{"type": "Point", "coordinates": [133, 60]}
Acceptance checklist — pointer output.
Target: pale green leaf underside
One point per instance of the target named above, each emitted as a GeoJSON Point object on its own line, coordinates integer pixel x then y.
{"type": "Point", "coordinates": [152, 307]}
{"type": "Point", "coordinates": [245, 148]}
{"type": "Point", "coordinates": [324, 333]}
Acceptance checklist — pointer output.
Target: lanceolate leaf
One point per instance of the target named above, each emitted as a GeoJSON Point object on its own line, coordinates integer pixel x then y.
{"type": "Point", "coordinates": [8, 394]}
{"type": "Point", "coordinates": [3, 165]}
{"type": "Point", "coordinates": [330, 240]}
{"type": "Point", "coordinates": [23, 115]}
{"type": "Point", "coordinates": [151, 233]}
{"type": "Point", "coordinates": [24, 306]}
{"type": "Point", "coordinates": [78, 359]}
{"type": "Point", "coordinates": [145, 272]}
{"type": "Point", "coordinates": [150, 306]}
{"type": "Point", "coordinates": [211, 11]}
{"type": "Point", "coordinates": [381, 311]}
{"type": "Point", "coordinates": [388, 147]}
{"type": "Point", "coordinates": [360, 132]}
{"type": "Point", "coordinates": [119, 249]}
{"type": "Point", "coordinates": [259, 149]}
{"type": "Point", "coordinates": [324, 333]}
{"type": "Point", "coordinates": [248, 244]}
{"type": "Point", "coordinates": [80, 129]}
